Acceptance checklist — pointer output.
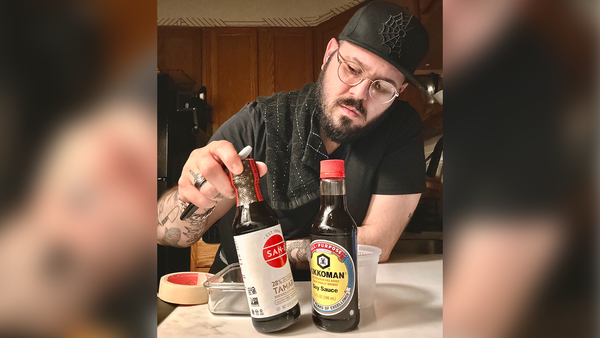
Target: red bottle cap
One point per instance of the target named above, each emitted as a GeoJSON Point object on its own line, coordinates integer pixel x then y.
{"type": "Point", "coordinates": [332, 169]}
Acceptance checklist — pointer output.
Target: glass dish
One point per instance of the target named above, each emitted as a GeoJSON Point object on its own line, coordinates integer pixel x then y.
{"type": "Point", "coordinates": [226, 292]}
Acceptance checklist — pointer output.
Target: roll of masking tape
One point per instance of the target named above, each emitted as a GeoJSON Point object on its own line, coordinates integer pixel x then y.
{"type": "Point", "coordinates": [184, 288]}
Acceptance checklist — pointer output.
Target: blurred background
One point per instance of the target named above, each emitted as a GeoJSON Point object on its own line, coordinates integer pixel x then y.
{"type": "Point", "coordinates": [78, 168]}
{"type": "Point", "coordinates": [520, 208]}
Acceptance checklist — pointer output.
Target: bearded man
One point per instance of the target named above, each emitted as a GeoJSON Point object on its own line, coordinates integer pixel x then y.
{"type": "Point", "coordinates": [351, 113]}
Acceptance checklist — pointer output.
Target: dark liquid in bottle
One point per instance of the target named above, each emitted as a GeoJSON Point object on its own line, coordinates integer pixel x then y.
{"type": "Point", "coordinates": [333, 265]}
{"type": "Point", "coordinates": [253, 214]}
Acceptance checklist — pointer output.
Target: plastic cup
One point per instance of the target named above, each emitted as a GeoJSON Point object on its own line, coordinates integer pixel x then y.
{"type": "Point", "coordinates": [368, 258]}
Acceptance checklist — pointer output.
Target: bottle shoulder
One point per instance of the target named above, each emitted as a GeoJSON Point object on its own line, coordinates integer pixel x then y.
{"type": "Point", "coordinates": [333, 221]}
{"type": "Point", "coordinates": [253, 217]}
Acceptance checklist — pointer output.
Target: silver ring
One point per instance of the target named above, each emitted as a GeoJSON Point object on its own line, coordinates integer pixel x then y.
{"type": "Point", "coordinates": [199, 180]}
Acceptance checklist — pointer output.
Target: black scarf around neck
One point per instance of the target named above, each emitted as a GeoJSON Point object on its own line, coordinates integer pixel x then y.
{"type": "Point", "coordinates": [294, 146]}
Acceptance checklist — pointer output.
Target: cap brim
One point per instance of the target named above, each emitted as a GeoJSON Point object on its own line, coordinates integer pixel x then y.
{"type": "Point", "coordinates": [414, 81]}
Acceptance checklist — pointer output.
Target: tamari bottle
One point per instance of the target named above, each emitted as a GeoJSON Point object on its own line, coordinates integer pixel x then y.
{"type": "Point", "coordinates": [333, 267]}
{"type": "Point", "coordinates": [262, 256]}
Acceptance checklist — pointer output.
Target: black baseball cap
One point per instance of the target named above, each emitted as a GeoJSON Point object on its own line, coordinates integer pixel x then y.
{"type": "Point", "coordinates": [391, 32]}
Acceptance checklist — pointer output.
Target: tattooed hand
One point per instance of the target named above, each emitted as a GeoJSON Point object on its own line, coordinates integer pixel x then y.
{"type": "Point", "coordinates": [209, 162]}
{"type": "Point", "coordinates": [298, 251]}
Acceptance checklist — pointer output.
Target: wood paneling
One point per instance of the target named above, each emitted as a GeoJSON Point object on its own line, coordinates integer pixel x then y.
{"type": "Point", "coordinates": [431, 17]}
{"type": "Point", "coordinates": [285, 59]}
{"type": "Point", "coordinates": [232, 80]}
{"type": "Point", "coordinates": [181, 48]}
{"type": "Point", "coordinates": [325, 32]}
{"type": "Point", "coordinates": [202, 256]}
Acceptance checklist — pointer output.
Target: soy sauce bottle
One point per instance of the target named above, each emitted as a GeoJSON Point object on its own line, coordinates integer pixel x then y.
{"type": "Point", "coordinates": [333, 267]}
{"type": "Point", "coordinates": [260, 246]}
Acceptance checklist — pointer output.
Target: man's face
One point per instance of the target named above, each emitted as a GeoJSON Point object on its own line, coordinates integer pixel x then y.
{"type": "Point", "coordinates": [349, 112]}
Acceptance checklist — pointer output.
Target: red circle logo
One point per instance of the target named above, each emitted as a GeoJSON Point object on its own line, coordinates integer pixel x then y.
{"type": "Point", "coordinates": [274, 251]}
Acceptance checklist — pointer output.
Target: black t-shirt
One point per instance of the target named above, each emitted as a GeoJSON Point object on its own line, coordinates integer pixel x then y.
{"type": "Point", "coordinates": [388, 161]}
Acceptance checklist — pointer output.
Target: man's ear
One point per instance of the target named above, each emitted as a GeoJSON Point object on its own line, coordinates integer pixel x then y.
{"type": "Point", "coordinates": [332, 46]}
{"type": "Point", "coordinates": [403, 87]}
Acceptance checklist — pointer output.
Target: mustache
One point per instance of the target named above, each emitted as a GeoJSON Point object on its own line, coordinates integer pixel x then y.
{"type": "Point", "coordinates": [351, 102]}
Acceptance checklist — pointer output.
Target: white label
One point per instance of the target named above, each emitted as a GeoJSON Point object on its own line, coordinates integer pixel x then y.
{"type": "Point", "coordinates": [267, 274]}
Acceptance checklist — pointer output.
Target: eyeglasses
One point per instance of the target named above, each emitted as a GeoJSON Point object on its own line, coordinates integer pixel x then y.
{"type": "Point", "coordinates": [351, 74]}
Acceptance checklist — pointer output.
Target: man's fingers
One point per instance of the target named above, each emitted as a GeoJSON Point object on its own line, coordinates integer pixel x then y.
{"type": "Point", "coordinates": [211, 193]}
{"type": "Point", "coordinates": [190, 194]}
{"type": "Point", "coordinates": [262, 168]}
{"type": "Point", "coordinates": [228, 155]}
{"type": "Point", "coordinates": [214, 173]}
{"type": "Point", "coordinates": [209, 162]}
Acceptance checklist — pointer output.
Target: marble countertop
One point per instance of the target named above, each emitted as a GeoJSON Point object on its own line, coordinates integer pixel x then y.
{"type": "Point", "coordinates": [408, 303]}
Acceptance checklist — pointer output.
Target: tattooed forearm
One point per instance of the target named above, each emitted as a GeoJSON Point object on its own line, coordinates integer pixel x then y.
{"type": "Point", "coordinates": [168, 208]}
{"type": "Point", "coordinates": [170, 228]}
{"type": "Point", "coordinates": [171, 237]}
{"type": "Point", "coordinates": [195, 231]}
{"type": "Point", "coordinates": [171, 216]}
{"type": "Point", "coordinates": [298, 251]}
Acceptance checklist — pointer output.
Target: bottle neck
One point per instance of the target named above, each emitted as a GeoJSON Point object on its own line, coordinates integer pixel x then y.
{"type": "Point", "coordinates": [246, 195]}
{"type": "Point", "coordinates": [246, 184]}
{"type": "Point", "coordinates": [333, 192]}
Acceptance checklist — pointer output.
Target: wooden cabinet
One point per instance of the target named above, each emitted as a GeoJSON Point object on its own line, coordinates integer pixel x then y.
{"type": "Point", "coordinates": [430, 14]}
{"type": "Point", "coordinates": [238, 64]}
{"type": "Point", "coordinates": [230, 70]}
{"type": "Point", "coordinates": [325, 32]}
{"type": "Point", "coordinates": [285, 59]}
{"type": "Point", "coordinates": [202, 256]}
{"type": "Point", "coordinates": [180, 48]}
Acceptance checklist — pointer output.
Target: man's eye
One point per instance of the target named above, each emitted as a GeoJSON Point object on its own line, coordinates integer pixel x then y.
{"type": "Point", "coordinates": [352, 70]}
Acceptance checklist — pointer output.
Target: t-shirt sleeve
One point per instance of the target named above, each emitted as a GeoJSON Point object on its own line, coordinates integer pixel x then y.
{"type": "Point", "coordinates": [242, 128]}
{"type": "Point", "coordinates": [402, 168]}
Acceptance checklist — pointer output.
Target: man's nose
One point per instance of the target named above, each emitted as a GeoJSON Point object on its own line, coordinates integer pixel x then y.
{"type": "Point", "coordinates": [361, 90]}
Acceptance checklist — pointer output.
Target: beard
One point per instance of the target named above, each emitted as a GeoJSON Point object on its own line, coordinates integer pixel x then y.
{"type": "Point", "coordinates": [345, 131]}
